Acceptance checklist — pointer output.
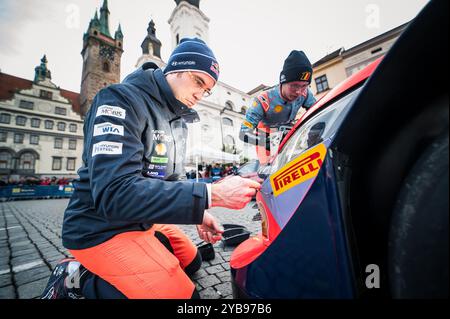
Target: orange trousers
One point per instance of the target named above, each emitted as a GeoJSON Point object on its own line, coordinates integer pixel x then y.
{"type": "Point", "coordinates": [140, 266]}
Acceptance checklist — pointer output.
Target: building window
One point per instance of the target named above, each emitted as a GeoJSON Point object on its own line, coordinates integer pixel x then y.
{"type": "Point", "coordinates": [229, 140]}
{"type": "Point", "coordinates": [73, 128]}
{"type": "Point", "coordinates": [72, 144]}
{"type": "Point", "coordinates": [227, 121]}
{"type": "Point", "coordinates": [3, 136]}
{"type": "Point", "coordinates": [105, 67]}
{"type": "Point", "coordinates": [58, 142]}
{"type": "Point", "coordinates": [61, 126]}
{"type": "Point", "coordinates": [229, 144]}
{"type": "Point", "coordinates": [49, 124]}
{"type": "Point", "coordinates": [6, 160]}
{"type": "Point", "coordinates": [27, 161]}
{"type": "Point", "coordinates": [34, 139]}
{"type": "Point", "coordinates": [21, 120]}
{"type": "Point", "coordinates": [60, 110]}
{"type": "Point", "coordinates": [376, 50]}
{"type": "Point", "coordinates": [5, 118]}
{"type": "Point", "coordinates": [57, 163]}
{"type": "Point", "coordinates": [18, 138]}
{"type": "Point", "coordinates": [243, 110]}
{"type": "Point", "coordinates": [71, 163]}
{"type": "Point", "coordinates": [322, 83]}
{"type": "Point", "coordinates": [26, 105]}
{"type": "Point", "coordinates": [35, 122]}
{"type": "Point", "coordinates": [229, 105]}
{"type": "Point", "coordinates": [46, 95]}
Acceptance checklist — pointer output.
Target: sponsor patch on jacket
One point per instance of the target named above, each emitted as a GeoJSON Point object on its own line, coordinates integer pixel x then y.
{"type": "Point", "coordinates": [161, 136]}
{"type": "Point", "coordinates": [159, 160]}
{"type": "Point", "coordinates": [278, 109]}
{"type": "Point", "coordinates": [161, 149]}
{"type": "Point", "coordinates": [107, 128]}
{"type": "Point", "coordinates": [107, 148]}
{"type": "Point", "coordinates": [108, 110]}
{"type": "Point", "coordinates": [248, 124]}
{"type": "Point", "coordinates": [298, 171]}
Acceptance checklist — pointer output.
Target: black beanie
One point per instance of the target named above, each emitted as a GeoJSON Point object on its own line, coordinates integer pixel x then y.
{"type": "Point", "coordinates": [296, 68]}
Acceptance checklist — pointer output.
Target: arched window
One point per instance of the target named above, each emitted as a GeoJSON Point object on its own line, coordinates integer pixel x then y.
{"type": "Point", "coordinates": [6, 160]}
{"type": "Point", "coordinates": [229, 105]}
{"type": "Point", "coordinates": [227, 121]}
{"type": "Point", "coordinates": [27, 161]}
{"type": "Point", "coordinates": [105, 66]}
{"type": "Point", "coordinates": [228, 140]}
{"type": "Point", "coordinates": [243, 110]}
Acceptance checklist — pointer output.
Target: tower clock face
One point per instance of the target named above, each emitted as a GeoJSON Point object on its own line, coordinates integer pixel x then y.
{"type": "Point", "coordinates": [107, 52]}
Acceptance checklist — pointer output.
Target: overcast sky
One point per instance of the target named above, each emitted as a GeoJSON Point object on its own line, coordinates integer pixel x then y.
{"type": "Point", "coordinates": [250, 38]}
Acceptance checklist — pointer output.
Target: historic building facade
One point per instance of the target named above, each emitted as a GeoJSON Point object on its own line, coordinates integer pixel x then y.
{"type": "Point", "coordinates": [335, 67]}
{"type": "Point", "coordinates": [41, 135]}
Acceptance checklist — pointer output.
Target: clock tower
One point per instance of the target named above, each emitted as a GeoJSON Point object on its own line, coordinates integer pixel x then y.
{"type": "Point", "coordinates": [101, 57]}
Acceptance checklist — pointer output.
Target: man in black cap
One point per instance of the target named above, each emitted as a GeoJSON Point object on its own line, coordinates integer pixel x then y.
{"type": "Point", "coordinates": [279, 105]}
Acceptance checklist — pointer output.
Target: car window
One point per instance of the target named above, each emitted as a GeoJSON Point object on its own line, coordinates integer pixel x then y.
{"type": "Point", "coordinates": [319, 128]}
{"type": "Point", "coordinates": [250, 167]}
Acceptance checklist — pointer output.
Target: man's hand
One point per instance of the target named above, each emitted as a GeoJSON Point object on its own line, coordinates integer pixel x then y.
{"type": "Point", "coordinates": [209, 230]}
{"type": "Point", "coordinates": [233, 192]}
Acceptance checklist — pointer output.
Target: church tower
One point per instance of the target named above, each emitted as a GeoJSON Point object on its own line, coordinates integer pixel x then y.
{"type": "Point", "coordinates": [101, 57]}
{"type": "Point", "coordinates": [151, 48]}
{"type": "Point", "coordinates": [187, 20]}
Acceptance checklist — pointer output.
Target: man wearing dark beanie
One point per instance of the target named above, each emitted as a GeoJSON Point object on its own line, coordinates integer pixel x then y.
{"type": "Point", "coordinates": [279, 105]}
{"type": "Point", "coordinates": [119, 223]}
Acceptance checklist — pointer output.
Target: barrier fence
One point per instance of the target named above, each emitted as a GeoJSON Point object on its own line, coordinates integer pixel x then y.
{"type": "Point", "coordinates": [35, 192]}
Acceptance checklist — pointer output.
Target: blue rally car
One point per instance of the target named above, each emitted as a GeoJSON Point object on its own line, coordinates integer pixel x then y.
{"type": "Point", "coordinates": [355, 204]}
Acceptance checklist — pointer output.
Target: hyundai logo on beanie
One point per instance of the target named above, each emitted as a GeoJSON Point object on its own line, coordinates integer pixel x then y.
{"type": "Point", "coordinates": [296, 68]}
{"type": "Point", "coordinates": [192, 54]}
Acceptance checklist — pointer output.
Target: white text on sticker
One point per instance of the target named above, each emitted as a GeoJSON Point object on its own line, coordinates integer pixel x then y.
{"type": "Point", "coordinates": [108, 148]}
{"type": "Point", "coordinates": [107, 110]}
{"type": "Point", "coordinates": [108, 128]}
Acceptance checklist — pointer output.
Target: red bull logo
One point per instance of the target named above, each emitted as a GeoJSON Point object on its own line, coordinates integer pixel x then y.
{"type": "Point", "coordinates": [298, 171]}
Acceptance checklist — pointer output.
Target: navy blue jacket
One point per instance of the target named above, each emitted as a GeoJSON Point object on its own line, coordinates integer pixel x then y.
{"type": "Point", "coordinates": [134, 148]}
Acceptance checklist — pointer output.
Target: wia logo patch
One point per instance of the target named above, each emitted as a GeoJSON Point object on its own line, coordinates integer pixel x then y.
{"type": "Point", "coordinates": [108, 128]}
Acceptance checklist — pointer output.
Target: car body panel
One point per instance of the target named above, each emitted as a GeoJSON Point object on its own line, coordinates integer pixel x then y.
{"type": "Point", "coordinates": [312, 199]}
{"type": "Point", "coordinates": [287, 268]}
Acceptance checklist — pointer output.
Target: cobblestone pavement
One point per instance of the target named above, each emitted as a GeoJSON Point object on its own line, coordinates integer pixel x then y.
{"type": "Point", "coordinates": [30, 246]}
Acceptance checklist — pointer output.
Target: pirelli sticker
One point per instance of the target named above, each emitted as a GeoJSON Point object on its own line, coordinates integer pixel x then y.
{"type": "Point", "coordinates": [301, 169]}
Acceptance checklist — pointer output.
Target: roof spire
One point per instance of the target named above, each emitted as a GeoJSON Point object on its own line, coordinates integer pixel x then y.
{"type": "Point", "coordinates": [41, 72]}
{"type": "Point", "coordinates": [104, 19]}
{"type": "Point", "coordinates": [119, 35]}
{"type": "Point", "coordinates": [151, 44]}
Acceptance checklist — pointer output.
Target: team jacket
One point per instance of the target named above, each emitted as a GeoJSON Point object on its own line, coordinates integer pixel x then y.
{"type": "Point", "coordinates": [133, 154]}
{"type": "Point", "coordinates": [273, 111]}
